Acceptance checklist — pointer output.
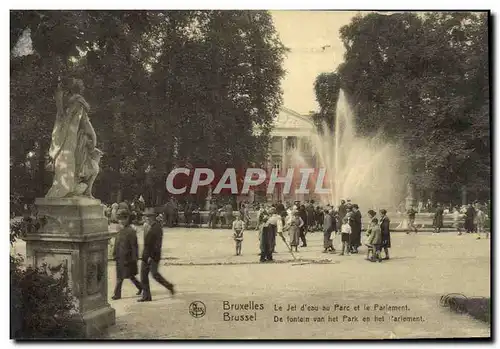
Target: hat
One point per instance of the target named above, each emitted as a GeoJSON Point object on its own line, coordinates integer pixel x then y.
{"type": "Point", "coordinates": [149, 211]}
{"type": "Point", "coordinates": [122, 213]}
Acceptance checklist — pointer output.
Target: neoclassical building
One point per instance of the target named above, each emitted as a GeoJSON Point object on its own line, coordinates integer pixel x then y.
{"type": "Point", "coordinates": [291, 132]}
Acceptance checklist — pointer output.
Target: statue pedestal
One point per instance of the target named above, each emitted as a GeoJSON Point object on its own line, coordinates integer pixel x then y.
{"type": "Point", "coordinates": [75, 234]}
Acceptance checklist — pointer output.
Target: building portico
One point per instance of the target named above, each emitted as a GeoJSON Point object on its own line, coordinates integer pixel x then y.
{"type": "Point", "coordinates": [291, 135]}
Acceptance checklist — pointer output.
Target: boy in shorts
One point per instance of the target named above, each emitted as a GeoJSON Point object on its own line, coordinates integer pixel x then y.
{"type": "Point", "coordinates": [346, 237]}
{"type": "Point", "coordinates": [238, 228]}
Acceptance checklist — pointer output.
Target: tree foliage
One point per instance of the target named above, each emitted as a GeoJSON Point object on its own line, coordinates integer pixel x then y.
{"type": "Point", "coordinates": [423, 80]}
{"type": "Point", "coordinates": [166, 88]}
{"type": "Point", "coordinates": [42, 306]}
{"type": "Point", "coordinates": [326, 88]}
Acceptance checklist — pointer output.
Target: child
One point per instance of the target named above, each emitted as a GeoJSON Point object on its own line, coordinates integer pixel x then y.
{"type": "Point", "coordinates": [346, 237]}
{"type": "Point", "coordinates": [238, 227]}
{"type": "Point", "coordinates": [374, 241]}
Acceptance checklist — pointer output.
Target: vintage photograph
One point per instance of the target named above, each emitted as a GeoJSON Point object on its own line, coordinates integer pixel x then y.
{"type": "Point", "coordinates": [250, 174]}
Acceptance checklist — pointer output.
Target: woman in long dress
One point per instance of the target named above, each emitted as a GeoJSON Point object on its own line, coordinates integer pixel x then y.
{"type": "Point", "coordinates": [294, 226]}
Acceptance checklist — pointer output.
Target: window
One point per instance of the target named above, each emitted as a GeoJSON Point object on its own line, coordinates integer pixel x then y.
{"type": "Point", "coordinates": [306, 145]}
{"type": "Point", "coordinates": [291, 143]}
{"type": "Point", "coordinates": [276, 162]}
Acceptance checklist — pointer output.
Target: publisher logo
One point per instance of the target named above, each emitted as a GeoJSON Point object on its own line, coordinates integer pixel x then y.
{"type": "Point", "coordinates": [197, 309]}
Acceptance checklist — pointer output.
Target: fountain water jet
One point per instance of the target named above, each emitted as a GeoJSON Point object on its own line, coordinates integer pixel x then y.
{"type": "Point", "coordinates": [366, 170]}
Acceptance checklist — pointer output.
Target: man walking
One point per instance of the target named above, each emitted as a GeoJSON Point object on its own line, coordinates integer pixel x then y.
{"type": "Point", "coordinates": [125, 253]}
{"type": "Point", "coordinates": [151, 256]}
{"type": "Point", "coordinates": [342, 210]}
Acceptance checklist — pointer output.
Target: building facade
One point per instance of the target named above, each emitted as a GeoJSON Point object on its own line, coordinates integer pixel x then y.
{"type": "Point", "coordinates": [290, 147]}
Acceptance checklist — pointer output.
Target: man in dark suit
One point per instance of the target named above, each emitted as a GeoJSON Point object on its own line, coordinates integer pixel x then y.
{"type": "Point", "coordinates": [356, 229]}
{"type": "Point", "coordinates": [151, 255]}
{"type": "Point", "coordinates": [342, 210]}
{"type": "Point", "coordinates": [125, 254]}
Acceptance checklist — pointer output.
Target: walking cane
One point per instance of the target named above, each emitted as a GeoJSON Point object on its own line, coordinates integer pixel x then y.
{"type": "Point", "coordinates": [287, 245]}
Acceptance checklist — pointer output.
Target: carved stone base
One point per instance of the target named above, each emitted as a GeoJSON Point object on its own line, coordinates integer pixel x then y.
{"type": "Point", "coordinates": [97, 320]}
{"type": "Point", "coordinates": [75, 234]}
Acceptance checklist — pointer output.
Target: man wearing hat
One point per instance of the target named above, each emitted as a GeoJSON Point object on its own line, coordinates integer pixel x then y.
{"type": "Point", "coordinates": [151, 255]}
{"type": "Point", "coordinates": [125, 253]}
{"type": "Point", "coordinates": [342, 210]}
{"type": "Point", "coordinates": [356, 228]}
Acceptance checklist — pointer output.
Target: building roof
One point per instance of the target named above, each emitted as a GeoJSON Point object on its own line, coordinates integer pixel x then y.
{"type": "Point", "coordinates": [291, 123]}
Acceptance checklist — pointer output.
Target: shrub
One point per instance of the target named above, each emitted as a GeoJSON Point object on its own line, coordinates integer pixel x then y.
{"type": "Point", "coordinates": [42, 305]}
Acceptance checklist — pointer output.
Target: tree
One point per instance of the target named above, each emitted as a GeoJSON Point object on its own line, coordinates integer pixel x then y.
{"type": "Point", "coordinates": [220, 71]}
{"type": "Point", "coordinates": [326, 87]}
{"type": "Point", "coordinates": [423, 81]}
{"type": "Point", "coordinates": [164, 87]}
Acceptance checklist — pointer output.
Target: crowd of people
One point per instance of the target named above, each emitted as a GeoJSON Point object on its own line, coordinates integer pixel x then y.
{"type": "Point", "coordinates": [471, 218]}
{"type": "Point", "coordinates": [298, 219]}
{"type": "Point", "coordinates": [291, 222]}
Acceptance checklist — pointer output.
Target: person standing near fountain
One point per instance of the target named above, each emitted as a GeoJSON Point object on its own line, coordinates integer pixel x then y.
{"type": "Point", "coordinates": [342, 210]}
{"type": "Point", "coordinates": [293, 227]}
{"type": "Point", "coordinates": [320, 217]}
{"type": "Point", "coordinates": [438, 219]}
{"type": "Point", "coordinates": [469, 219]}
{"type": "Point", "coordinates": [346, 237]}
{"type": "Point", "coordinates": [73, 145]}
{"type": "Point", "coordinates": [329, 227]}
{"type": "Point", "coordinates": [212, 216]}
{"type": "Point", "coordinates": [238, 229]}
{"type": "Point", "coordinates": [356, 228]}
{"type": "Point", "coordinates": [385, 223]}
{"type": "Point", "coordinates": [310, 216]}
{"type": "Point", "coordinates": [373, 241]}
{"type": "Point", "coordinates": [303, 229]}
{"type": "Point", "coordinates": [151, 256]}
{"type": "Point", "coordinates": [411, 220]}
{"type": "Point", "coordinates": [371, 215]}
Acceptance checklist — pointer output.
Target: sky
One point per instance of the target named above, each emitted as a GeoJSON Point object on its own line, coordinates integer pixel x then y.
{"type": "Point", "coordinates": [305, 33]}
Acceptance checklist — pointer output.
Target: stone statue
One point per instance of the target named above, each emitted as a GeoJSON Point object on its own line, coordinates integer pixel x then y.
{"type": "Point", "coordinates": [73, 147]}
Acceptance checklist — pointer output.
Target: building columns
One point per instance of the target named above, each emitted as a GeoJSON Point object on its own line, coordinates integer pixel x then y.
{"type": "Point", "coordinates": [283, 163]}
